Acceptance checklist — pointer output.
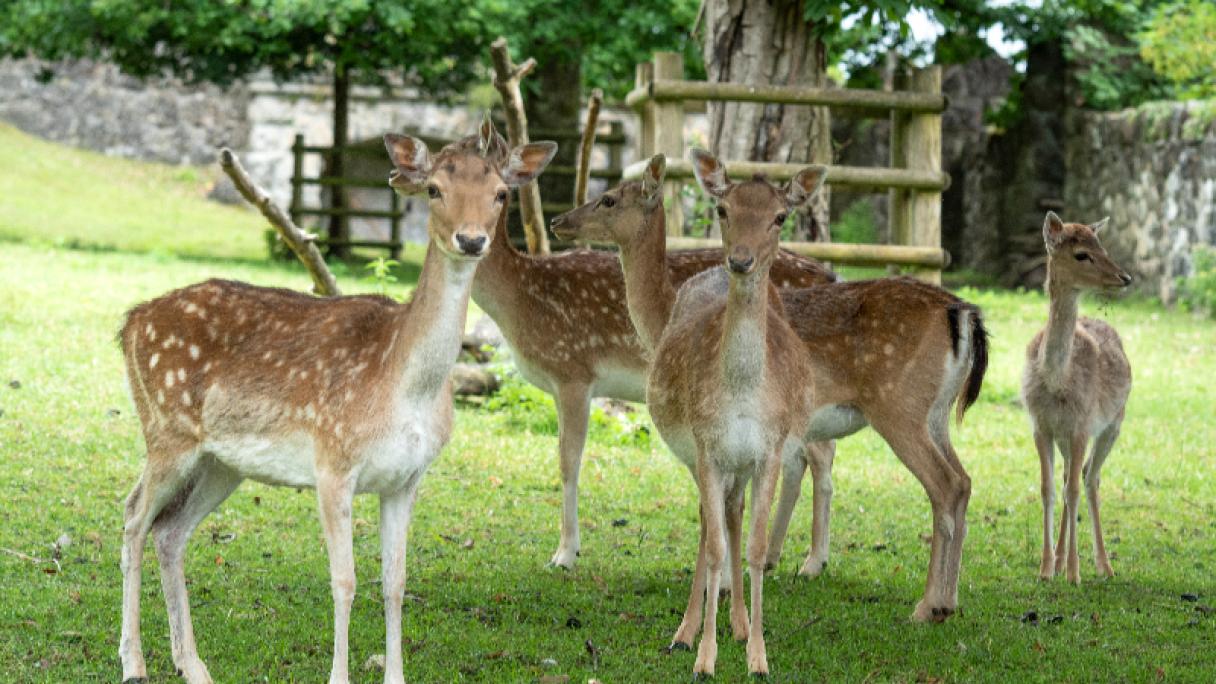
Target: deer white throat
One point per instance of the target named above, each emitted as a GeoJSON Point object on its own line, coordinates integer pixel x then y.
{"type": "Point", "coordinates": [1058, 338]}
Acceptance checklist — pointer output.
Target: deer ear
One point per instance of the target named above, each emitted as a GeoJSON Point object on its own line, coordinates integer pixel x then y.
{"type": "Point", "coordinates": [1053, 230]}
{"type": "Point", "coordinates": [652, 178]}
{"type": "Point", "coordinates": [802, 187]}
{"type": "Point", "coordinates": [1097, 227]}
{"type": "Point", "coordinates": [411, 159]}
{"type": "Point", "coordinates": [526, 162]}
{"type": "Point", "coordinates": [711, 174]}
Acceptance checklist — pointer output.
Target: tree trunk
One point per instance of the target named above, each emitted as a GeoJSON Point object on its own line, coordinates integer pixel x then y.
{"type": "Point", "coordinates": [554, 105]}
{"type": "Point", "coordinates": [339, 226]}
{"type": "Point", "coordinates": [768, 42]}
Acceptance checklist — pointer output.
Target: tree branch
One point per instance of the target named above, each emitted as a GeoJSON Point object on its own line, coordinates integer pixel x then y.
{"type": "Point", "coordinates": [585, 146]}
{"type": "Point", "coordinates": [506, 80]}
{"type": "Point", "coordinates": [300, 242]}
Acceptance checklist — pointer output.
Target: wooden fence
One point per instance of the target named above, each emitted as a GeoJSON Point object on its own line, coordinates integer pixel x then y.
{"type": "Point", "coordinates": [914, 180]}
{"type": "Point", "coordinates": [613, 138]}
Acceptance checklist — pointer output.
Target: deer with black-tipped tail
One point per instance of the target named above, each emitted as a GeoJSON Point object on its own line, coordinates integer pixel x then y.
{"type": "Point", "coordinates": [1075, 388]}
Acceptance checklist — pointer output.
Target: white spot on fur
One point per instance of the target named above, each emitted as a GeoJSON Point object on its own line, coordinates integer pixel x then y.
{"type": "Point", "coordinates": [153, 360]}
{"type": "Point", "coordinates": [186, 398]}
{"type": "Point", "coordinates": [168, 378]}
{"type": "Point", "coordinates": [181, 374]}
{"type": "Point", "coordinates": [194, 351]}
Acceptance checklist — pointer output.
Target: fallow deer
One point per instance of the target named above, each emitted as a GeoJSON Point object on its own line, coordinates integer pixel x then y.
{"type": "Point", "coordinates": [727, 389]}
{"type": "Point", "coordinates": [589, 347]}
{"type": "Point", "coordinates": [1075, 387]}
{"type": "Point", "coordinates": [893, 353]}
{"type": "Point", "coordinates": [345, 394]}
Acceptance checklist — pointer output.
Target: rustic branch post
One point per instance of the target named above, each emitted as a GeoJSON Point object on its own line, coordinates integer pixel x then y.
{"type": "Point", "coordinates": [915, 216]}
{"type": "Point", "coordinates": [669, 134]}
{"type": "Point", "coordinates": [300, 242]}
{"type": "Point", "coordinates": [506, 79]}
{"type": "Point", "coordinates": [583, 172]}
{"type": "Point", "coordinates": [643, 77]}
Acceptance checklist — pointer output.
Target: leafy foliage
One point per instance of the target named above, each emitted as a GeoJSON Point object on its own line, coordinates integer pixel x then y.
{"type": "Point", "coordinates": [1180, 44]}
{"type": "Point", "coordinates": [1197, 292]}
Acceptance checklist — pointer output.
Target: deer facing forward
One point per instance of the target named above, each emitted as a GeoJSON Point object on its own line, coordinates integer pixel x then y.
{"type": "Point", "coordinates": [343, 394]}
{"type": "Point", "coordinates": [1075, 388]}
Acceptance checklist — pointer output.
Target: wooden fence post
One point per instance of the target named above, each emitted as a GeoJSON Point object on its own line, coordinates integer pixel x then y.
{"type": "Point", "coordinates": [669, 134]}
{"type": "Point", "coordinates": [297, 178]}
{"type": "Point", "coordinates": [916, 144]}
{"type": "Point", "coordinates": [643, 75]}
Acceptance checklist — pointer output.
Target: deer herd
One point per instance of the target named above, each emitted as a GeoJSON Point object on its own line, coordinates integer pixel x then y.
{"type": "Point", "coordinates": [751, 360]}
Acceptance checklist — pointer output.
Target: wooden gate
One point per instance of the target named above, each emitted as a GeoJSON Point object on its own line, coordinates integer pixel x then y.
{"type": "Point", "coordinates": [914, 180]}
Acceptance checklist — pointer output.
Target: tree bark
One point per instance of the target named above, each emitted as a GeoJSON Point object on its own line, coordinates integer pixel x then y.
{"type": "Point", "coordinates": [768, 42]}
{"type": "Point", "coordinates": [554, 106]}
{"type": "Point", "coordinates": [339, 226]}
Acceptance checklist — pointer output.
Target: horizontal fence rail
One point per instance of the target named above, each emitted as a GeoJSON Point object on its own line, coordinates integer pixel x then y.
{"type": "Point", "coordinates": [934, 258]}
{"type": "Point", "coordinates": [868, 177]}
{"type": "Point", "coordinates": [665, 90]}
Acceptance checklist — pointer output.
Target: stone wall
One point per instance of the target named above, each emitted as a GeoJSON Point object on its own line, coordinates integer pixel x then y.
{"type": "Point", "coordinates": [1153, 171]}
{"type": "Point", "coordinates": [94, 106]}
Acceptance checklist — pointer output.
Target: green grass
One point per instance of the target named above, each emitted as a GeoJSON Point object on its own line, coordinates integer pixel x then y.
{"type": "Point", "coordinates": [70, 450]}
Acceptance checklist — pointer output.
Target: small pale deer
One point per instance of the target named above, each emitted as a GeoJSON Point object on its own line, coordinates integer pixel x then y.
{"type": "Point", "coordinates": [1075, 388]}
{"type": "Point", "coordinates": [588, 348]}
{"type": "Point", "coordinates": [894, 353]}
{"type": "Point", "coordinates": [344, 394]}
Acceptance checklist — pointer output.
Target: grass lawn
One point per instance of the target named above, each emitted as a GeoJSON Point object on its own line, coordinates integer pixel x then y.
{"type": "Point", "coordinates": [482, 608]}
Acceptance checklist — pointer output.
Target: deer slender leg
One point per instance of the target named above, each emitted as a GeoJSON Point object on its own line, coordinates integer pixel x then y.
{"type": "Point", "coordinates": [1093, 478]}
{"type": "Point", "coordinates": [212, 484]}
{"type": "Point", "coordinates": [960, 517]}
{"type": "Point", "coordinates": [396, 511]}
{"type": "Point", "coordinates": [1047, 491]}
{"type": "Point", "coordinates": [734, 530]}
{"type": "Point", "coordinates": [1072, 494]}
{"type": "Point", "coordinates": [793, 467]}
{"type": "Point", "coordinates": [763, 487]}
{"type": "Point", "coordinates": [946, 488]}
{"type": "Point", "coordinates": [821, 456]}
{"type": "Point", "coordinates": [156, 487]}
{"type": "Point", "coordinates": [335, 494]}
{"type": "Point", "coordinates": [1062, 542]}
{"type": "Point", "coordinates": [691, 624]}
{"type": "Point", "coordinates": [710, 483]}
{"type": "Point", "coordinates": [573, 406]}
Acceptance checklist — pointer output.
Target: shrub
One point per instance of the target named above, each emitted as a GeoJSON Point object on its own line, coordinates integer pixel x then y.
{"type": "Point", "coordinates": [1197, 292]}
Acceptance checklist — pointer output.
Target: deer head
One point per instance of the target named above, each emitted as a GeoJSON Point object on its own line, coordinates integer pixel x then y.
{"type": "Point", "coordinates": [468, 184]}
{"type": "Point", "coordinates": [1075, 258]}
{"type": "Point", "coordinates": [620, 215]}
{"type": "Point", "coordinates": [752, 212]}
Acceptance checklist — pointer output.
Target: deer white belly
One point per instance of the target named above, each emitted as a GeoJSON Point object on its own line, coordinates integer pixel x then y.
{"type": "Point", "coordinates": [619, 382]}
{"type": "Point", "coordinates": [286, 460]}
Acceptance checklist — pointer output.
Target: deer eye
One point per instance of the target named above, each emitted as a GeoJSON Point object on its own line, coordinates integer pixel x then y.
{"type": "Point", "coordinates": [608, 201]}
{"type": "Point", "coordinates": [780, 219]}
{"type": "Point", "coordinates": [1081, 256]}
{"type": "Point", "coordinates": [721, 212]}
{"type": "Point", "coordinates": [501, 196]}
{"type": "Point", "coordinates": [433, 191]}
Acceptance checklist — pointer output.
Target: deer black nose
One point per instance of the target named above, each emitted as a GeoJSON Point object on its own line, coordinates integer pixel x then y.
{"type": "Point", "coordinates": [740, 264]}
{"type": "Point", "coordinates": [471, 246]}
{"type": "Point", "coordinates": [1127, 279]}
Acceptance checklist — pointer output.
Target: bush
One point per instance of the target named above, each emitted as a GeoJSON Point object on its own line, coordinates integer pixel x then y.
{"type": "Point", "coordinates": [856, 224]}
{"type": "Point", "coordinates": [1198, 291]}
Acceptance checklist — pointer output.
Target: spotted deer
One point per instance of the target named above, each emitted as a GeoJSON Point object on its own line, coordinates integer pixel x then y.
{"type": "Point", "coordinates": [1075, 388]}
{"type": "Point", "coordinates": [345, 395]}
{"type": "Point", "coordinates": [589, 347]}
{"type": "Point", "coordinates": [893, 353]}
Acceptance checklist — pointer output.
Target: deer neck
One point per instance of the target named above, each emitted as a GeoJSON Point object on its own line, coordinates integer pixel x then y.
{"type": "Point", "coordinates": [495, 287]}
{"type": "Point", "coordinates": [427, 338]}
{"type": "Point", "coordinates": [1058, 338]}
{"type": "Point", "coordinates": [649, 294]}
{"type": "Point", "coordinates": [745, 334]}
